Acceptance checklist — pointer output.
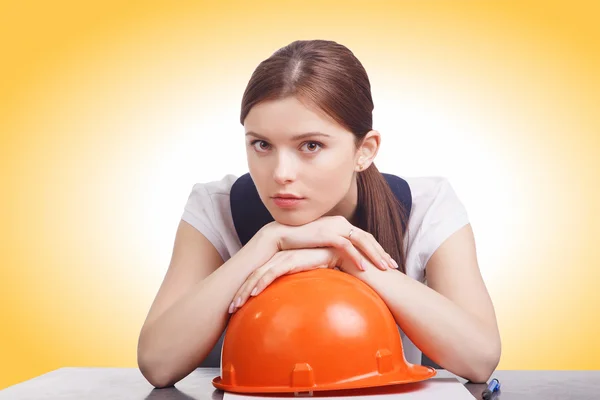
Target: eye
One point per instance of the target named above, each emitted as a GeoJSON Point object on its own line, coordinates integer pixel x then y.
{"type": "Point", "coordinates": [261, 143]}
{"type": "Point", "coordinates": [313, 147]}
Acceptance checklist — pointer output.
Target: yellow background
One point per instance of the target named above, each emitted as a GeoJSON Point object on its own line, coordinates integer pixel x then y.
{"type": "Point", "coordinates": [106, 117]}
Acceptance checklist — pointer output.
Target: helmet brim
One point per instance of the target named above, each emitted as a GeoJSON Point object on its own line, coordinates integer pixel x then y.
{"type": "Point", "coordinates": [415, 373]}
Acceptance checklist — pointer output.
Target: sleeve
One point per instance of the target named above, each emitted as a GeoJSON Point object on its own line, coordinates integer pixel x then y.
{"type": "Point", "coordinates": [199, 212]}
{"type": "Point", "coordinates": [444, 216]}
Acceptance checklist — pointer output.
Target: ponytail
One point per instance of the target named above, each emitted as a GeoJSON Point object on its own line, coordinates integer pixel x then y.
{"type": "Point", "coordinates": [380, 213]}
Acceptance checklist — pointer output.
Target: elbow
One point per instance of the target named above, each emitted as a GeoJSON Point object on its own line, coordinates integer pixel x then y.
{"type": "Point", "coordinates": [158, 381]}
{"type": "Point", "coordinates": [156, 372]}
{"type": "Point", "coordinates": [487, 362]}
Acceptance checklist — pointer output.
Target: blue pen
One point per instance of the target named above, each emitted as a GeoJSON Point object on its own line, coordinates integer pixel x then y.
{"type": "Point", "coordinates": [492, 387]}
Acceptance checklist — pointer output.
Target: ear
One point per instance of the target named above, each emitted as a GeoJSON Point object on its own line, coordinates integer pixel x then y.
{"type": "Point", "coordinates": [367, 150]}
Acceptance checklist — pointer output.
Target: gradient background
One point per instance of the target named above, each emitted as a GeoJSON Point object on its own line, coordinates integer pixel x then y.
{"type": "Point", "coordinates": [110, 113]}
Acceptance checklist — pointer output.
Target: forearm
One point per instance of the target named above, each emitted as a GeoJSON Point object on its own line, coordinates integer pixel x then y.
{"type": "Point", "coordinates": [176, 342]}
{"type": "Point", "coordinates": [450, 336]}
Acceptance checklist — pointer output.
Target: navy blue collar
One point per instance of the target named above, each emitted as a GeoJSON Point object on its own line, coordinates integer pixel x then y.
{"type": "Point", "coordinates": [250, 214]}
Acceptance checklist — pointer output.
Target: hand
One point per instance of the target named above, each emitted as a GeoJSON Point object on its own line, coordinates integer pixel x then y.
{"type": "Point", "coordinates": [283, 263]}
{"type": "Point", "coordinates": [333, 231]}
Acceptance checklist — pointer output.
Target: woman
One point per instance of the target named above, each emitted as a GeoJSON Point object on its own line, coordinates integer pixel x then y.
{"type": "Point", "coordinates": [307, 113]}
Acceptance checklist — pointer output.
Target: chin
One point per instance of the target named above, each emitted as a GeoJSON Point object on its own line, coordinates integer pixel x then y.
{"type": "Point", "coordinates": [293, 218]}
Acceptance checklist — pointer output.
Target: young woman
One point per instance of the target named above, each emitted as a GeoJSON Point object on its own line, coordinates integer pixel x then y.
{"type": "Point", "coordinates": [307, 114]}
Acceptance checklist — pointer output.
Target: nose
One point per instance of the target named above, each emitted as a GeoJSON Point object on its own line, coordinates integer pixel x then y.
{"type": "Point", "coordinates": [285, 169]}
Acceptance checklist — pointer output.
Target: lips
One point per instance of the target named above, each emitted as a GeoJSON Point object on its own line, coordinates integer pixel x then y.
{"type": "Point", "coordinates": [288, 201]}
{"type": "Point", "coordinates": [286, 196]}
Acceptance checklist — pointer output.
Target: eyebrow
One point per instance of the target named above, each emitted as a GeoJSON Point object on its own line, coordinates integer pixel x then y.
{"type": "Point", "coordinates": [296, 137]}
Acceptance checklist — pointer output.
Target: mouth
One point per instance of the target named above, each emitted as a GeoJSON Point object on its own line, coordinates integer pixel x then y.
{"type": "Point", "coordinates": [287, 196]}
{"type": "Point", "coordinates": [284, 201]}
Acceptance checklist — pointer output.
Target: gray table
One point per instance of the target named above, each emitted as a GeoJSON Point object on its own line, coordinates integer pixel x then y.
{"type": "Point", "coordinates": [128, 383]}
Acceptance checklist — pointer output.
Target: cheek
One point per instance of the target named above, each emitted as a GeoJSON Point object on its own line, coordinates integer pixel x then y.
{"type": "Point", "coordinates": [330, 186]}
{"type": "Point", "coordinates": [332, 168]}
{"type": "Point", "coordinates": [260, 176]}
{"type": "Point", "coordinates": [335, 169]}
{"type": "Point", "coordinates": [258, 168]}
{"type": "Point", "coordinates": [332, 163]}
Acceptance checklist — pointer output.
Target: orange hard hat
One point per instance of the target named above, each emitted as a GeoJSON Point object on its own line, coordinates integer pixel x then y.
{"type": "Point", "coordinates": [311, 331]}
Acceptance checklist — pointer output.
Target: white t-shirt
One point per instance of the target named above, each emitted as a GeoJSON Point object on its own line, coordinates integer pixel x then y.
{"type": "Point", "coordinates": [436, 213]}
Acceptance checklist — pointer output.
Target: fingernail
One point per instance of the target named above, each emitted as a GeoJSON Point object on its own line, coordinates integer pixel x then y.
{"type": "Point", "coordinates": [254, 292]}
{"type": "Point", "coordinates": [384, 264]}
{"type": "Point", "coordinates": [238, 302]}
{"type": "Point", "coordinates": [231, 307]}
{"type": "Point", "coordinates": [395, 263]}
{"type": "Point", "coordinates": [362, 264]}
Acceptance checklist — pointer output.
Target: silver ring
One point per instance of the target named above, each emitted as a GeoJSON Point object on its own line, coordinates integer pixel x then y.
{"type": "Point", "coordinates": [350, 234]}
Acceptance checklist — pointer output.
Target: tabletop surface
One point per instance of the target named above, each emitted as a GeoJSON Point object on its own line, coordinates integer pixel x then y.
{"type": "Point", "coordinates": [128, 383]}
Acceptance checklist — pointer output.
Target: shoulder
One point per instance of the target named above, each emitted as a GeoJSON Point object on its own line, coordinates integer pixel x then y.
{"type": "Point", "coordinates": [208, 197]}
{"type": "Point", "coordinates": [437, 212]}
{"type": "Point", "coordinates": [208, 210]}
{"type": "Point", "coordinates": [433, 191]}
{"type": "Point", "coordinates": [215, 187]}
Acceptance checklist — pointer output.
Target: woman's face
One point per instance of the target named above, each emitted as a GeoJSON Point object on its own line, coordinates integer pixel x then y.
{"type": "Point", "coordinates": [318, 166]}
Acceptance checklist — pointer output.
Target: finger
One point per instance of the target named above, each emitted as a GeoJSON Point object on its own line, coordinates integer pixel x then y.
{"type": "Point", "coordinates": [352, 252]}
{"type": "Point", "coordinates": [369, 245]}
{"type": "Point", "coordinates": [249, 288]}
{"type": "Point", "coordinates": [237, 298]}
{"type": "Point", "coordinates": [268, 277]}
{"type": "Point", "coordinates": [303, 238]}
{"type": "Point", "coordinates": [244, 291]}
{"type": "Point", "coordinates": [297, 261]}
{"type": "Point", "coordinates": [363, 241]}
{"type": "Point", "coordinates": [326, 232]}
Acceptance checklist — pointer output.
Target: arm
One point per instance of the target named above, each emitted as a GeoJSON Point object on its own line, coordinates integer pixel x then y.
{"type": "Point", "coordinates": [452, 320]}
{"type": "Point", "coordinates": [193, 304]}
{"type": "Point", "coordinates": [191, 308]}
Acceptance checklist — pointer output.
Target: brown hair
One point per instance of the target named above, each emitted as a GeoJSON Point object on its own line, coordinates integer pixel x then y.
{"type": "Point", "coordinates": [329, 76]}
